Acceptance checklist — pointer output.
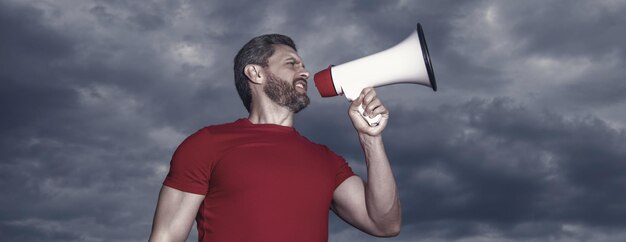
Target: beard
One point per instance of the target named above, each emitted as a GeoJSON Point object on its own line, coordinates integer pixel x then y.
{"type": "Point", "coordinates": [284, 94]}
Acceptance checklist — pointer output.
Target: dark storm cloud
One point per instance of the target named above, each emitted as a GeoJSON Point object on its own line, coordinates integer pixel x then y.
{"type": "Point", "coordinates": [28, 51]}
{"type": "Point", "coordinates": [584, 33]}
{"type": "Point", "coordinates": [506, 164]}
{"type": "Point", "coordinates": [499, 165]}
{"type": "Point", "coordinates": [565, 28]}
{"type": "Point", "coordinates": [96, 95]}
{"type": "Point", "coordinates": [64, 160]}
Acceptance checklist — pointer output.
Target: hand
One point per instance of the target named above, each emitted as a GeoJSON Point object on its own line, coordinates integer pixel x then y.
{"type": "Point", "coordinates": [373, 106]}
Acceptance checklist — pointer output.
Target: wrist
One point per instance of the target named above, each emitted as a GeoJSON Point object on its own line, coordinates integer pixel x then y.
{"type": "Point", "coordinates": [368, 140]}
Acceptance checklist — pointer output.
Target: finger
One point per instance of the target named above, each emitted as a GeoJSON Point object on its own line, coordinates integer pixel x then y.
{"type": "Point", "coordinates": [382, 110]}
{"type": "Point", "coordinates": [369, 96]}
{"type": "Point", "coordinates": [367, 90]}
{"type": "Point", "coordinates": [372, 105]}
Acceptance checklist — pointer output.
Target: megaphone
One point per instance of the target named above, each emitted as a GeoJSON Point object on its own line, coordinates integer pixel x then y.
{"type": "Point", "coordinates": [406, 62]}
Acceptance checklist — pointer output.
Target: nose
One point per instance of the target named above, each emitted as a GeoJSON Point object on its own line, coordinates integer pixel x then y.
{"type": "Point", "coordinates": [304, 74]}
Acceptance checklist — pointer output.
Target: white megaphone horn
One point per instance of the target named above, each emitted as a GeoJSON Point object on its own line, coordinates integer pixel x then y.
{"type": "Point", "coordinates": [406, 62]}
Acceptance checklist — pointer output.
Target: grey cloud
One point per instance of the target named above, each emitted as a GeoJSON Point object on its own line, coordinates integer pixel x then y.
{"type": "Point", "coordinates": [582, 28]}
{"type": "Point", "coordinates": [499, 167]}
{"type": "Point", "coordinates": [508, 164]}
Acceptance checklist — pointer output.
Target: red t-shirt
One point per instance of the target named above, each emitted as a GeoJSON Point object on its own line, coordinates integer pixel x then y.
{"type": "Point", "coordinates": [262, 182]}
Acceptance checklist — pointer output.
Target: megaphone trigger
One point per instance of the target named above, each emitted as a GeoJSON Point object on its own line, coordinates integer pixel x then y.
{"type": "Point", "coordinates": [373, 122]}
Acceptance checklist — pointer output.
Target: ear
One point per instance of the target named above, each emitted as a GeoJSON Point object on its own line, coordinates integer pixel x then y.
{"type": "Point", "coordinates": [254, 73]}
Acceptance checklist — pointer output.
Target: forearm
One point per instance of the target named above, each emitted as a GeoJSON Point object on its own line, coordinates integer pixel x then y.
{"type": "Point", "coordinates": [381, 194]}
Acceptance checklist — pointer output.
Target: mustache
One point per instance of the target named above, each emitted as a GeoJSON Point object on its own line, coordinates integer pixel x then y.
{"type": "Point", "coordinates": [300, 79]}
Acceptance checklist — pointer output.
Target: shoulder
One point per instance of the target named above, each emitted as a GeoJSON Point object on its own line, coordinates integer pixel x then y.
{"type": "Point", "coordinates": [208, 134]}
{"type": "Point", "coordinates": [215, 129]}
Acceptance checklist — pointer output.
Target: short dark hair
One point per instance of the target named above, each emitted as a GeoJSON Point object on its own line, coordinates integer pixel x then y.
{"type": "Point", "coordinates": [257, 51]}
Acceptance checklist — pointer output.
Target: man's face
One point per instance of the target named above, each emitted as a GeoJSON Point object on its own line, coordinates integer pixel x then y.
{"type": "Point", "coordinates": [287, 79]}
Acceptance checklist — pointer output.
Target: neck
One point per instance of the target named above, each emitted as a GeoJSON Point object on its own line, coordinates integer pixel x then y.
{"type": "Point", "coordinates": [271, 114]}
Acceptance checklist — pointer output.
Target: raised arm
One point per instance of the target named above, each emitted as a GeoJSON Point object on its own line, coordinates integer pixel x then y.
{"type": "Point", "coordinates": [372, 206]}
{"type": "Point", "coordinates": [174, 216]}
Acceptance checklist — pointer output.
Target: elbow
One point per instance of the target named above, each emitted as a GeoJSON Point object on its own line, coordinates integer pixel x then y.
{"type": "Point", "coordinates": [390, 226]}
{"type": "Point", "coordinates": [395, 231]}
{"type": "Point", "coordinates": [392, 231]}
{"type": "Point", "coordinates": [388, 230]}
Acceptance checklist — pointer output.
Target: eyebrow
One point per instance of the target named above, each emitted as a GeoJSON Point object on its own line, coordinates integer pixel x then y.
{"type": "Point", "coordinates": [295, 60]}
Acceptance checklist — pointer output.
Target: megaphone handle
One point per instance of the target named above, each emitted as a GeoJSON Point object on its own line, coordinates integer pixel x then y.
{"type": "Point", "coordinates": [373, 122]}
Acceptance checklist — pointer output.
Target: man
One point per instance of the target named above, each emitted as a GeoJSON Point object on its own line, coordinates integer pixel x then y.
{"type": "Point", "coordinates": [257, 179]}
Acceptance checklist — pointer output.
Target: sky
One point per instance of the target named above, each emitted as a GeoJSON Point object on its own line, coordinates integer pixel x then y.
{"type": "Point", "coordinates": [525, 139]}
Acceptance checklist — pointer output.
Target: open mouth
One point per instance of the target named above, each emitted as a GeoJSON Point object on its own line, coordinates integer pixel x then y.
{"type": "Point", "coordinates": [300, 84]}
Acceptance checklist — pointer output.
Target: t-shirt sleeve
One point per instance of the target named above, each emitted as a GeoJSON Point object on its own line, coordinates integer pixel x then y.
{"type": "Point", "coordinates": [342, 169]}
{"type": "Point", "coordinates": [190, 167]}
